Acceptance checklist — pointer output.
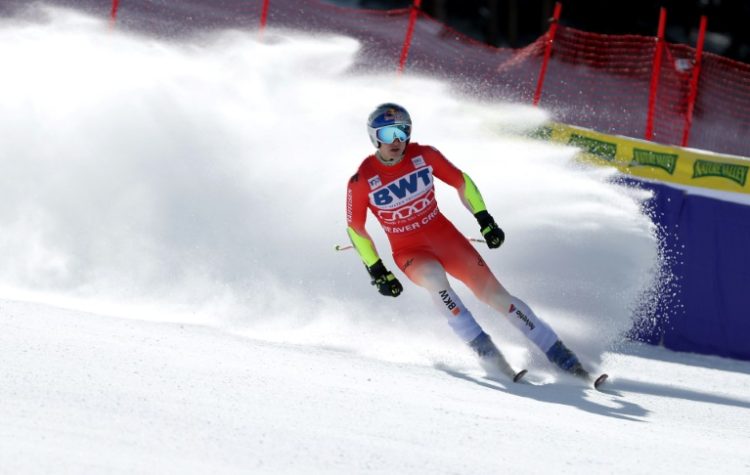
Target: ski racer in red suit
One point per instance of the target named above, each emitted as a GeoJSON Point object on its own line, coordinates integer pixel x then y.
{"type": "Point", "coordinates": [397, 185]}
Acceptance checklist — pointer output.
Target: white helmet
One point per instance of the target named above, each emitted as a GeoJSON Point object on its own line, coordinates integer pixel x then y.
{"type": "Point", "coordinates": [387, 123]}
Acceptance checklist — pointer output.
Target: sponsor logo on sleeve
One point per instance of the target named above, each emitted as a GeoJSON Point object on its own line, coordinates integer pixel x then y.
{"type": "Point", "coordinates": [349, 206]}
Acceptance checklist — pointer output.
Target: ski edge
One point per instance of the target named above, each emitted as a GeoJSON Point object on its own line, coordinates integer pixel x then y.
{"type": "Point", "coordinates": [600, 380]}
{"type": "Point", "coordinates": [519, 376]}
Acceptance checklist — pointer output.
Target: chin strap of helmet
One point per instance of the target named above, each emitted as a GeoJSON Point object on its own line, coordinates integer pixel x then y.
{"type": "Point", "coordinates": [382, 160]}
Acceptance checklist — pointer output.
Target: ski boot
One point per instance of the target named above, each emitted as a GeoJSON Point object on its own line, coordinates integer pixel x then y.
{"type": "Point", "coordinates": [491, 359]}
{"type": "Point", "coordinates": [566, 360]}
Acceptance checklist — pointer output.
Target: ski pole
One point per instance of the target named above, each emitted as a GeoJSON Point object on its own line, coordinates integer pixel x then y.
{"type": "Point", "coordinates": [346, 247]}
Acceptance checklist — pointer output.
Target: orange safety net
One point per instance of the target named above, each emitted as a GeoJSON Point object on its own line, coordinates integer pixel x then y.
{"type": "Point", "coordinates": [593, 80]}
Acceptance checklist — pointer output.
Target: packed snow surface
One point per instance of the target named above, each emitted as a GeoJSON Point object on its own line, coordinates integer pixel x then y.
{"type": "Point", "coordinates": [87, 393]}
{"type": "Point", "coordinates": [171, 301]}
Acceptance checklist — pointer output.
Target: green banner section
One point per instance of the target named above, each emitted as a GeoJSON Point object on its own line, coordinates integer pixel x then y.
{"type": "Point", "coordinates": [654, 161]}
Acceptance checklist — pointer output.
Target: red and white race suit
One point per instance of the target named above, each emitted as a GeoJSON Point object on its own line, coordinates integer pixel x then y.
{"type": "Point", "coordinates": [424, 243]}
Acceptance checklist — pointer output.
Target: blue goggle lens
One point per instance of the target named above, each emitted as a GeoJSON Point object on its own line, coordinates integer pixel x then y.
{"type": "Point", "coordinates": [390, 133]}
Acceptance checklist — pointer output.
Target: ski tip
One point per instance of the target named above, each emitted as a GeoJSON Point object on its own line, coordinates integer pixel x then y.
{"type": "Point", "coordinates": [600, 380]}
{"type": "Point", "coordinates": [519, 376]}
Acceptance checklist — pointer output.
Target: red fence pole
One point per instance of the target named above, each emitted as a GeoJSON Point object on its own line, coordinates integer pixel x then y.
{"type": "Point", "coordinates": [264, 15]}
{"type": "Point", "coordinates": [547, 52]}
{"type": "Point", "coordinates": [113, 15]}
{"type": "Point", "coordinates": [409, 32]}
{"type": "Point", "coordinates": [694, 81]}
{"type": "Point", "coordinates": [655, 74]}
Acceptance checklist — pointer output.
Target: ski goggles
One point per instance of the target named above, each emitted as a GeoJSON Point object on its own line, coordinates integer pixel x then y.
{"type": "Point", "coordinates": [390, 133]}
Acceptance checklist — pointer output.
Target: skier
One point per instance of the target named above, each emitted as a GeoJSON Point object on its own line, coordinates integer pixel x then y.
{"type": "Point", "coordinates": [396, 184]}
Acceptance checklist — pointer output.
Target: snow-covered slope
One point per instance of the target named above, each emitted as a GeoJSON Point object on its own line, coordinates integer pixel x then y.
{"type": "Point", "coordinates": [85, 393]}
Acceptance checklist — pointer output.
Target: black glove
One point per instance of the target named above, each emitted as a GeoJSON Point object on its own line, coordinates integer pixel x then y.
{"type": "Point", "coordinates": [385, 281]}
{"type": "Point", "coordinates": [493, 235]}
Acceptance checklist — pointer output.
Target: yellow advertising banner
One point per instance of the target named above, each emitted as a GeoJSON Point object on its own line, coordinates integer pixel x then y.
{"type": "Point", "coordinates": [655, 161]}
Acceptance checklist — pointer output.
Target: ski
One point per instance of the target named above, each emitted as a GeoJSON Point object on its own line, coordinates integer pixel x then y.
{"type": "Point", "coordinates": [600, 380]}
{"type": "Point", "coordinates": [589, 378]}
{"type": "Point", "coordinates": [519, 376]}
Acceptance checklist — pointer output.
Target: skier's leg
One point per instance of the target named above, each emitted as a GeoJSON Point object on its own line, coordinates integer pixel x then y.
{"type": "Point", "coordinates": [534, 328]}
{"type": "Point", "coordinates": [425, 270]}
{"type": "Point", "coordinates": [462, 261]}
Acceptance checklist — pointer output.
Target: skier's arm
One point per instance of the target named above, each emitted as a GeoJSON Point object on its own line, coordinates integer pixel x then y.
{"type": "Point", "coordinates": [364, 245]}
{"type": "Point", "coordinates": [470, 196]}
{"type": "Point", "coordinates": [356, 215]}
{"type": "Point", "coordinates": [443, 169]}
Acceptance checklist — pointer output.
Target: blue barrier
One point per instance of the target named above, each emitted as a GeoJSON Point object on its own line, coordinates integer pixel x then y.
{"type": "Point", "coordinates": [707, 248]}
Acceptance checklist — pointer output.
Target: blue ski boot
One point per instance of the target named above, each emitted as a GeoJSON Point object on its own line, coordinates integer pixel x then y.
{"type": "Point", "coordinates": [491, 359]}
{"type": "Point", "coordinates": [566, 360]}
